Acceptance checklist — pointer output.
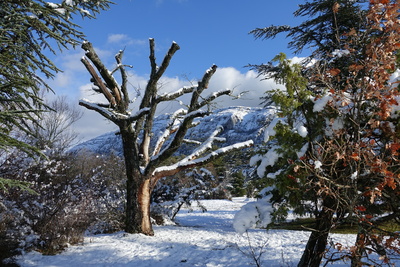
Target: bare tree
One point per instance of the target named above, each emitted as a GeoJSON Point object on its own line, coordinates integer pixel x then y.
{"type": "Point", "coordinates": [146, 165]}
{"type": "Point", "coordinates": [54, 130]}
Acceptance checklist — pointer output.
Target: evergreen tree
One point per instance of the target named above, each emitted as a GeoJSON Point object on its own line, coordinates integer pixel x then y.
{"type": "Point", "coordinates": [28, 30]}
{"type": "Point", "coordinates": [325, 28]}
{"type": "Point", "coordinates": [334, 150]}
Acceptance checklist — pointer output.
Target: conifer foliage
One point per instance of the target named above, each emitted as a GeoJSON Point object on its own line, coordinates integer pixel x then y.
{"type": "Point", "coordinates": [30, 30]}
{"type": "Point", "coordinates": [334, 151]}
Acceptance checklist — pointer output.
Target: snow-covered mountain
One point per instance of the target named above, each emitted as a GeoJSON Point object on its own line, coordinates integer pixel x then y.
{"type": "Point", "coordinates": [239, 123]}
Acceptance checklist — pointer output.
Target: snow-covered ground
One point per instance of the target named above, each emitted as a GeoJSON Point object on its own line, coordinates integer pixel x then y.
{"type": "Point", "coordinates": [201, 239]}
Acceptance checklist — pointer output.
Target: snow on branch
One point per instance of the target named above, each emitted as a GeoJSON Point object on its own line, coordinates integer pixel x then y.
{"type": "Point", "coordinates": [207, 145]}
{"type": "Point", "coordinates": [111, 115]}
{"type": "Point", "coordinates": [179, 136]}
{"type": "Point", "coordinates": [170, 129]}
{"type": "Point", "coordinates": [176, 94]}
{"type": "Point", "coordinates": [213, 96]}
{"type": "Point", "coordinates": [189, 141]}
{"type": "Point", "coordinates": [99, 108]}
{"type": "Point", "coordinates": [139, 114]}
{"type": "Point", "coordinates": [196, 114]}
{"type": "Point", "coordinates": [164, 171]}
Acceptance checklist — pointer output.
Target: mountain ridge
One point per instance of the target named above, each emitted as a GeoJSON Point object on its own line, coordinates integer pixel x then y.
{"type": "Point", "coordinates": [239, 123]}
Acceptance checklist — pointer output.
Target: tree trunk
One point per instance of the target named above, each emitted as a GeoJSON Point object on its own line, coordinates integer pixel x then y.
{"type": "Point", "coordinates": [138, 207]}
{"type": "Point", "coordinates": [144, 205]}
{"type": "Point", "coordinates": [138, 190]}
{"type": "Point", "coordinates": [132, 209]}
{"type": "Point", "coordinates": [360, 249]}
{"type": "Point", "coordinates": [316, 245]}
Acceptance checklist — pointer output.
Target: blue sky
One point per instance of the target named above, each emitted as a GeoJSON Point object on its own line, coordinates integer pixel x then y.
{"type": "Point", "coordinates": [208, 32]}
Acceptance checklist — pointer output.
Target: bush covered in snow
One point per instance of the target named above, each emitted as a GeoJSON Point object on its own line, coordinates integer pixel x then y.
{"type": "Point", "coordinates": [253, 214]}
{"type": "Point", "coordinates": [70, 194]}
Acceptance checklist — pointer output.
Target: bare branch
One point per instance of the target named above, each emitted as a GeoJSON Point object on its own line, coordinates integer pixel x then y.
{"type": "Point", "coordinates": [212, 97]}
{"type": "Point", "coordinates": [175, 95]}
{"type": "Point", "coordinates": [152, 57]}
{"type": "Point", "coordinates": [161, 172]}
{"type": "Point", "coordinates": [156, 72]}
{"type": "Point", "coordinates": [124, 76]}
{"type": "Point", "coordinates": [101, 110]}
{"type": "Point", "coordinates": [105, 74]}
{"type": "Point", "coordinates": [174, 47]}
{"type": "Point", "coordinates": [203, 84]}
{"type": "Point", "coordinates": [149, 98]}
{"type": "Point", "coordinates": [98, 81]}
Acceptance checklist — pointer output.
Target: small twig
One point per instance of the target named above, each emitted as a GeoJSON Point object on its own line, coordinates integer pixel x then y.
{"type": "Point", "coordinates": [256, 257]}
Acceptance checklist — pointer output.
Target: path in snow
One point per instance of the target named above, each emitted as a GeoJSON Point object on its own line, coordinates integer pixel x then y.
{"type": "Point", "coordinates": [201, 239]}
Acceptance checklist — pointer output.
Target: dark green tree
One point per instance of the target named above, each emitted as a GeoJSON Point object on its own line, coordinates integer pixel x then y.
{"type": "Point", "coordinates": [335, 143]}
{"type": "Point", "coordinates": [30, 30]}
{"type": "Point", "coordinates": [238, 185]}
{"type": "Point", "coordinates": [324, 31]}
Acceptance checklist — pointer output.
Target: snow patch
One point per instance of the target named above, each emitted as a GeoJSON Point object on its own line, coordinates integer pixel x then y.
{"type": "Point", "coordinates": [270, 131]}
{"type": "Point", "coordinates": [269, 159]}
{"type": "Point", "coordinates": [302, 131]}
{"type": "Point", "coordinates": [340, 53]}
{"type": "Point", "coordinates": [202, 239]}
{"type": "Point", "coordinates": [317, 164]}
{"type": "Point", "coordinates": [69, 2]}
{"type": "Point", "coordinates": [320, 103]}
{"type": "Point", "coordinates": [253, 214]}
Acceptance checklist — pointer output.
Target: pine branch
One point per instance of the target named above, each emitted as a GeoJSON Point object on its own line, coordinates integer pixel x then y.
{"type": "Point", "coordinates": [269, 32]}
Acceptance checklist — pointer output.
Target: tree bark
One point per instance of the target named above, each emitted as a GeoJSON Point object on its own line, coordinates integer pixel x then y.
{"type": "Point", "coordinates": [138, 189]}
{"type": "Point", "coordinates": [144, 203]}
{"type": "Point", "coordinates": [316, 245]}
{"type": "Point", "coordinates": [133, 210]}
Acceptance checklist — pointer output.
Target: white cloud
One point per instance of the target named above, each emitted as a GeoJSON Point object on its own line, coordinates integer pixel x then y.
{"type": "Point", "coordinates": [246, 83]}
{"type": "Point", "coordinates": [123, 40]}
{"type": "Point", "coordinates": [115, 38]}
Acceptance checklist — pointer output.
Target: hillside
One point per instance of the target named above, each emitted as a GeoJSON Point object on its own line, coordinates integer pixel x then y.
{"type": "Point", "coordinates": [240, 124]}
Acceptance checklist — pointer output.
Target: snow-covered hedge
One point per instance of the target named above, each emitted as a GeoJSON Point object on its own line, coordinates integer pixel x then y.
{"type": "Point", "coordinates": [71, 194]}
